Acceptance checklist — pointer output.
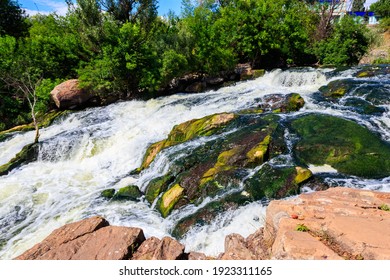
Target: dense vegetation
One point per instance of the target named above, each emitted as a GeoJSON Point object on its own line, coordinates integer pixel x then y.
{"type": "Point", "coordinates": [123, 48]}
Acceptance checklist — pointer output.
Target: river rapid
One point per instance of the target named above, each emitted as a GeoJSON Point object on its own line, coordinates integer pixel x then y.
{"type": "Point", "coordinates": [88, 151]}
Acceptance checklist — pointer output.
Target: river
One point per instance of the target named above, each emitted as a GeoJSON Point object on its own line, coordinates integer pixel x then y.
{"type": "Point", "coordinates": [88, 151]}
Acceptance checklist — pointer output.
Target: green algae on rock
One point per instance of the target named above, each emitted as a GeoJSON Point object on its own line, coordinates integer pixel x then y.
{"type": "Point", "coordinates": [343, 144]}
{"type": "Point", "coordinates": [130, 193]}
{"type": "Point", "coordinates": [28, 154]}
{"type": "Point", "coordinates": [157, 186]}
{"type": "Point", "coordinates": [168, 200]}
{"type": "Point", "coordinates": [187, 131]}
{"type": "Point", "coordinates": [271, 182]}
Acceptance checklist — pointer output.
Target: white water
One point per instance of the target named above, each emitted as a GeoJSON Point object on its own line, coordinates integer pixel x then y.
{"type": "Point", "coordinates": [95, 149]}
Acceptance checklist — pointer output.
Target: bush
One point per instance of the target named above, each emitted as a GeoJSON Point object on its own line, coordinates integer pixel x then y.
{"type": "Point", "coordinates": [346, 45]}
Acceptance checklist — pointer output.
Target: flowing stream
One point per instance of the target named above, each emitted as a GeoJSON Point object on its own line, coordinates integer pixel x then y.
{"type": "Point", "coordinates": [88, 151]}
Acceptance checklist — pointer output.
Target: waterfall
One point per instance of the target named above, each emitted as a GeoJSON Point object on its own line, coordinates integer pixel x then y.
{"type": "Point", "coordinates": [91, 150]}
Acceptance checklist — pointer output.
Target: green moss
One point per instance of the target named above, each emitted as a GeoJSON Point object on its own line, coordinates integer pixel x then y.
{"type": "Point", "coordinates": [187, 131]}
{"type": "Point", "coordinates": [28, 154]}
{"type": "Point", "coordinates": [336, 89]}
{"type": "Point", "coordinates": [303, 174]}
{"type": "Point", "coordinates": [294, 102]}
{"type": "Point", "coordinates": [156, 186]}
{"type": "Point", "coordinates": [342, 144]}
{"type": "Point", "coordinates": [222, 164]}
{"type": "Point", "coordinates": [130, 192]}
{"type": "Point", "coordinates": [109, 193]}
{"type": "Point", "coordinates": [258, 153]}
{"type": "Point", "coordinates": [271, 182]}
{"type": "Point", "coordinates": [169, 199]}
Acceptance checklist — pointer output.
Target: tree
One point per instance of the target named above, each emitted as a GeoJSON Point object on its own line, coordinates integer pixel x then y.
{"type": "Point", "coordinates": [346, 45]}
{"type": "Point", "coordinates": [124, 11]}
{"type": "Point", "coordinates": [358, 5]}
{"type": "Point", "coordinates": [381, 8]}
{"type": "Point", "coordinates": [12, 19]}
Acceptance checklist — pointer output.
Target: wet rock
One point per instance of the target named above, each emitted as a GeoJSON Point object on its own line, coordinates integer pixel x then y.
{"type": "Point", "coordinates": [337, 88]}
{"type": "Point", "coordinates": [343, 144]}
{"type": "Point", "coordinates": [43, 121]}
{"type": "Point", "coordinates": [187, 131]}
{"type": "Point", "coordinates": [109, 193]}
{"type": "Point", "coordinates": [28, 154]}
{"type": "Point", "coordinates": [372, 71]}
{"type": "Point", "coordinates": [271, 182]}
{"type": "Point", "coordinates": [158, 185]}
{"type": "Point", "coordinates": [129, 192]}
{"type": "Point", "coordinates": [68, 95]}
{"type": "Point", "coordinates": [196, 87]}
{"type": "Point", "coordinates": [169, 199]}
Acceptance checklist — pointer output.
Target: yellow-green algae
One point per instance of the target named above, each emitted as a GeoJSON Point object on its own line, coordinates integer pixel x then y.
{"type": "Point", "coordinates": [186, 131]}
{"type": "Point", "coordinates": [169, 199]}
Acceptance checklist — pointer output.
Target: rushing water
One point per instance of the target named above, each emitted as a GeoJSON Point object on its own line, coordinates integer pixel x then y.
{"type": "Point", "coordinates": [95, 149]}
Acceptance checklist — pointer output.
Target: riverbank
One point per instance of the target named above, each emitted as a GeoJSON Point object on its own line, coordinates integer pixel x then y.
{"type": "Point", "coordinates": [339, 223]}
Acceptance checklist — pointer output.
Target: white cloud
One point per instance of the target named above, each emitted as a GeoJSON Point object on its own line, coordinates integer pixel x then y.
{"type": "Point", "coordinates": [48, 6]}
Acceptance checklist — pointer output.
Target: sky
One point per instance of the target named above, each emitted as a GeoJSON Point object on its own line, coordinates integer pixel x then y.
{"type": "Point", "coordinates": [33, 7]}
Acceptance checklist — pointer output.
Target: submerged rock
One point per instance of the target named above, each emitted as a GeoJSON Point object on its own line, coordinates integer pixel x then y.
{"type": "Point", "coordinates": [343, 144]}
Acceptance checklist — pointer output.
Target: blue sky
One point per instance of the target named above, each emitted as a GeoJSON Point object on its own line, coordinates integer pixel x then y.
{"type": "Point", "coordinates": [59, 6]}
{"type": "Point", "coordinates": [47, 6]}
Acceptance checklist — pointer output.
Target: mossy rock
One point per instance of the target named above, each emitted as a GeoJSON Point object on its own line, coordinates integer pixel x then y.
{"type": "Point", "coordinates": [168, 200]}
{"type": "Point", "coordinates": [294, 102]}
{"type": "Point", "coordinates": [157, 186]}
{"type": "Point", "coordinates": [43, 121]}
{"type": "Point", "coordinates": [271, 182]}
{"type": "Point", "coordinates": [187, 131]}
{"type": "Point", "coordinates": [130, 193]}
{"type": "Point", "coordinates": [28, 154]}
{"type": "Point", "coordinates": [109, 193]}
{"type": "Point", "coordinates": [209, 212]}
{"type": "Point", "coordinates": [364, 107]}
{"type": "Point", "coordinates": [372, 71]}
{"type": "Point", "coordinates": [343, 144]}
{"type": "Point", "coordinates": [337, 89]}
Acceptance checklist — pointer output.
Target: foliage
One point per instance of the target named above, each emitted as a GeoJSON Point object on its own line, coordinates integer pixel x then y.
{"type": "Point", "coordinates": [384, 207]}
{"type": "Point", "coordinates": [13, 19]}
{"type": "Point", "coordinates": [302, 227]}
{"type": "Point", "coordinates": [358, 5]}
{"type": "Point", "coordinates": [381, 8]}
{"type": "Point", "coordinates": [346, 45]}
{"type": "Point", "coordinates": [121, 49]}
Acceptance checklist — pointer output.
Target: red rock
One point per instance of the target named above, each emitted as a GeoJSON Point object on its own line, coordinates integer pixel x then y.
{"type": "Point", "coordinates": [236, 249]}
{"type": "Point", "coordinates": [168, 249]}
{"type": "Point", "coordinates": [147, 249]}
{"type": "Point", "coordinates": [64, 235]}
{"type": "Point", "coordinates": [68, 95]}
{"type": "Point", "coordinates": [342, 223]}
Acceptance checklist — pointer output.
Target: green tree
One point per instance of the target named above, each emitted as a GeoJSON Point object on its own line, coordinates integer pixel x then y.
{"type": "Point", "coordinates": [144, 11]}
{"type": "Point", "coordinates": [381, 8]}
{"type": "Point", "coordinates": [12, 19]}
{"type": "Point", "coordinates": [347, 44]}
{"type": "Point", "coordinates": [358, 5]}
